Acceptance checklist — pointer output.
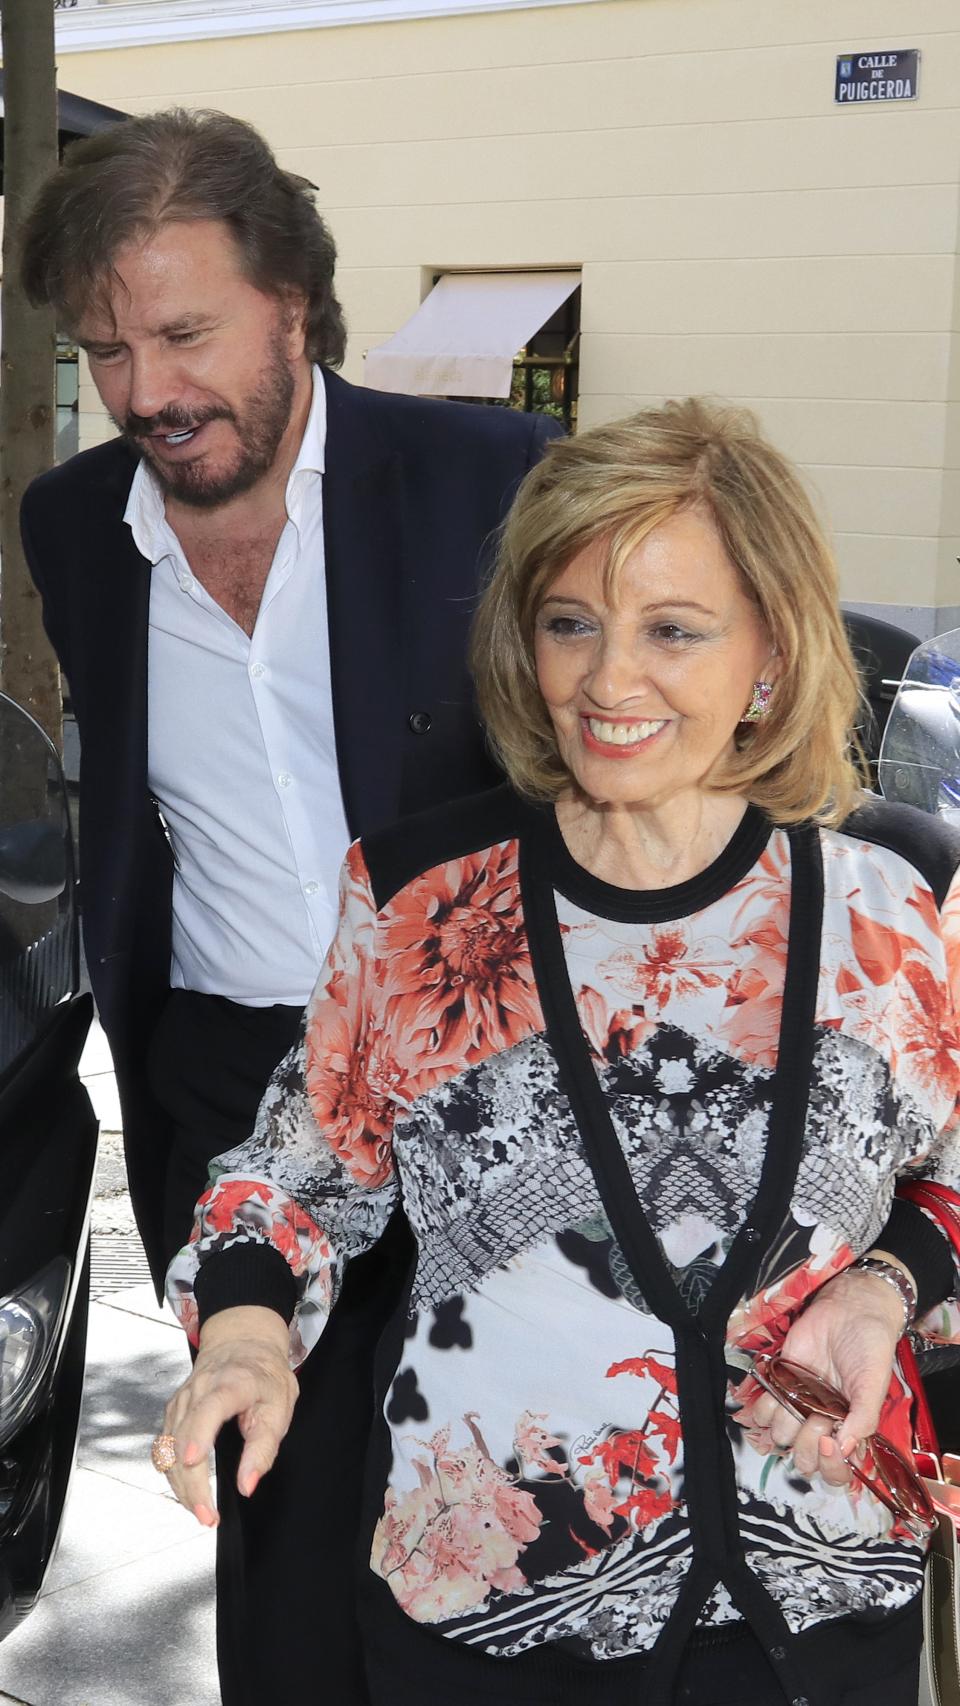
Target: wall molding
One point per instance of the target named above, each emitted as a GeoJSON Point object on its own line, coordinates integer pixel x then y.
{"type": "Point", "coordinates": [90, 28]}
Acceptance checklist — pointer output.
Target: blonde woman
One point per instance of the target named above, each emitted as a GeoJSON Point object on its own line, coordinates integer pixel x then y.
{"type": "Point", "coordinates": [641, 1044]}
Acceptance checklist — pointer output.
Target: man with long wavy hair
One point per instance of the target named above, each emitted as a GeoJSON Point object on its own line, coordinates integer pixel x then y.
{"type": "Point", "coordinates": [259, 593]}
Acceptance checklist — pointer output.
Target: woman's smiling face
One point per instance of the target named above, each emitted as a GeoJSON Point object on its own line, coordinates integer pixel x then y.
{"type": "Point", "coordinates": [646, 680]}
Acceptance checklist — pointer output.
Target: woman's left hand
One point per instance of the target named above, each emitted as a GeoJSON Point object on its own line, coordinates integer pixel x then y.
{"type": "Point", "coordinates": [848, 1334]}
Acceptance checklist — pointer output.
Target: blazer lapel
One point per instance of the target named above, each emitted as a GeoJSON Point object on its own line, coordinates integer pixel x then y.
{"type": "Point", "coordinates": [363, 529]}
{"type": "Point", "coordinates": [114, 755]}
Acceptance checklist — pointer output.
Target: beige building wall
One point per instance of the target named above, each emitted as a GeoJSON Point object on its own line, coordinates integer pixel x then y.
{"type": "Point", "coordinates": [738, 233]}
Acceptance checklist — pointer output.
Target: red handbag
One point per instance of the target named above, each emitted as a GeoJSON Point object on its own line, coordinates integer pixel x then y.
{"type": "Point", "coordinates": [941, 1593]}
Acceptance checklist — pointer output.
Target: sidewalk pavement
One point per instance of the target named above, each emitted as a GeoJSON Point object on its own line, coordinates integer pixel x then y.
{"type": "Point", "coordinates": [126, 1617]}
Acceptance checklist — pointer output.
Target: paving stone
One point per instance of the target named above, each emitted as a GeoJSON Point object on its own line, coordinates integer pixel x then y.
{"type": "Point", "coordinates": [109, 1524]}
{"type": "Point", "coordinates": [135, 1361]}
{"type": "Point", "coordinates": [138, 1635]}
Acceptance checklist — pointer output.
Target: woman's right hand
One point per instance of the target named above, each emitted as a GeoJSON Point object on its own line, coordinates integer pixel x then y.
{"type": "Point", "coordinates": [242, 1370]}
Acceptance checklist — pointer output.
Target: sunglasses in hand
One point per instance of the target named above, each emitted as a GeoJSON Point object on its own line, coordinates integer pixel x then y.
{"type": "Point", "coordinates": [889, 1475]}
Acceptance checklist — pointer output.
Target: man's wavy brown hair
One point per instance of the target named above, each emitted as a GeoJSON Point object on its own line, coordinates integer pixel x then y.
{"type": "Point", "coordinates": [124, 184]}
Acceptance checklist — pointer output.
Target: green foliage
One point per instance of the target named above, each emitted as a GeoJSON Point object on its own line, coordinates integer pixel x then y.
{"type": "Point", "coordinates": [543, 402]}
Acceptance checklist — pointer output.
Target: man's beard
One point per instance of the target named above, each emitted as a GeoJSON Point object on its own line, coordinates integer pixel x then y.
{"type": "Point", "coordinates": [259, 427]}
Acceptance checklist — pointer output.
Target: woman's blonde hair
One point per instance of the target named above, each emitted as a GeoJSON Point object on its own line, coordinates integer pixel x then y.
{"type": "Point", "coordinates": [616, 483]}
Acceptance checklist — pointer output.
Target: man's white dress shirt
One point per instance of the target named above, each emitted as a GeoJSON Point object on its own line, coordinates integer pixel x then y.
{"type": "Point", "coordinates": [241, 752]}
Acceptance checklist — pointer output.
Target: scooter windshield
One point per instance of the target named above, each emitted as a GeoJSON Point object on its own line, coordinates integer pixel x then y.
{"type": "Point", "coordinates": [920, 754]}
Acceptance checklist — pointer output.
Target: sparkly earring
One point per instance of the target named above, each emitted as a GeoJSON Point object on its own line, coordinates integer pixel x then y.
{"type": "Point", "coordinates": [759, 702]}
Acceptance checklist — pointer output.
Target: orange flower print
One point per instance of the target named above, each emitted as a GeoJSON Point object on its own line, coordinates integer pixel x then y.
{"type": "Point", "coordinates": [751, 1024]}
{"type": "Point", "coordinates": [354, 934]}
{"type": "Point", "coordinates": [624, 1453]}
{"type": "Point", "coordinates": [879, 948]}
{"type": "Point", "coordinates": [354, 1087]}
{"type": "Point", "coordinates": [222, 1202]}
{"type": "Point", "coordinates": [761, 1323]}
{"type": "Point", "coordinates": [890, 991]}
{"type": "Point", "coordinates": [668, 1427]}
{"type": "Point", "coordinates": [626, 1474]}
{"type": "Point", "coordinates": [189, 1315]}
{"type": "Point", "coordinates": [612, 1036]}
{"type": "Point", "coordinates": [847, 981]}
{"type": "Point", "coordinates": [923, 903]}
{"type": "Point", "coordinates": [644, 1506]}
{"type": "Point", "coordinates": [950, 929]}
{"type": "Point", "coordinates": [444, 1546]}
{"type": "Point", "coordinates": [767, 885]}
{"type": "Point", "coordinates": [646, 1367]}
{"type": "Point", "coordinates": [670, 966]}
{"type": "Point", "coordinates": [933, 1045]}
{"type": "Point", "coordinates": [456, 964]}
{"type": "Point", "coordinates": [232, 1204]}
{"type": "Point", "coordinates": [532, 1443]}
{"type": "Point", "coordinates": [866, 1016]}
{"type": "Point", "coordinates": [754, 999]}
{"type": "Point", "coordinates": [600, 1500]}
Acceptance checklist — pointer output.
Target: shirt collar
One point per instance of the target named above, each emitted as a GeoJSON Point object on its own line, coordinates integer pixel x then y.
{"type": "Point", "coordinates": [310, 456]}
{"type": "Point", "coordinates": [145, 516]}
{"type": "Point", "coordinates": [145, 513]}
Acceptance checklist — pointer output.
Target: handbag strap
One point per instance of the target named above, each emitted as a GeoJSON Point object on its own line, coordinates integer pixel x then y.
{"type": "Point", "coordinates": [939, 1201]}
{"type": "Point", "coordinates": [943, 1206]}
{"type": "Point", "coordinates": [924, 1432]}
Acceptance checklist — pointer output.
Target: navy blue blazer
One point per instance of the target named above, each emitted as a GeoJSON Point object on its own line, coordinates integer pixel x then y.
{"type": "Point", "coordinates": [414, 491]}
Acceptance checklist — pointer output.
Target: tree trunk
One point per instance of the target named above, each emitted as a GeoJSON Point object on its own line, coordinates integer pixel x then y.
{"type": "Point", "coordinates": [28, 668]}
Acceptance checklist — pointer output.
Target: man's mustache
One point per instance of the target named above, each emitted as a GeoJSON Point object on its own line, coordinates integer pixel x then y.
{"type": "Point", "coordinates": [172, 420]}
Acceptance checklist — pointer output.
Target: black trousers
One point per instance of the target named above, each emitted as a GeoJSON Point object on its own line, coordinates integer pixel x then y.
{"type": "Point", "coordinates": [847, 1663]}
{"type": "Point", "coordinates": [286, 1569]}
{"type": "Point", "coordinates": [703, 1682]}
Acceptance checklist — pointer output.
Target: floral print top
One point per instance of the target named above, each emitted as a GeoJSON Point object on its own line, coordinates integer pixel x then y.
{"type": "Point", "coordinates": [631, 1133]}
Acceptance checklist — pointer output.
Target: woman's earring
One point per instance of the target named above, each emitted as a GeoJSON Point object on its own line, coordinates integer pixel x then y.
{"type": "Point", "coordinates": [759, 702]}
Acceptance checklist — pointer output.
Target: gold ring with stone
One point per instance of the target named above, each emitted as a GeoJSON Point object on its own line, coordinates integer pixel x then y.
{"type": "Point", "coordinates": [163, 1452]}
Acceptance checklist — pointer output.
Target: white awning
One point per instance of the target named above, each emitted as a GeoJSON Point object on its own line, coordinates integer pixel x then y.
{"type": "Point", "coordinates": [463, 338]}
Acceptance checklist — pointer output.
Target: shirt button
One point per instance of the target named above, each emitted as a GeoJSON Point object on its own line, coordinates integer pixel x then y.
{"type": "Point", "coordinates": [256, 670]}
{"type": "Point", "coordinates": [419, 722]}
{"type": "Point", "coordinates": [284, 779]}
{"type": "Point", "coordinates": [310, 888]}
{"type": "Point", "coordinates": [186, 582]}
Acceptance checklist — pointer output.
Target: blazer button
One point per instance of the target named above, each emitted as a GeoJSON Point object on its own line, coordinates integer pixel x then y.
{"type": "Point", "coordinates": [419, 722]}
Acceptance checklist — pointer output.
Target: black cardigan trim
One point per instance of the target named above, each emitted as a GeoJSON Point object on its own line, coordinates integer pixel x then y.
{"type": "Point", "coordinates": [397, 855]}
{"type": "Point", "coordinates": [922, 1247]}
{"type": "Point", "coordinates": [643, 906]}
{"type": "Point", "coordinates": [246, 1273]}
{"type": "Point", "coordinates": [710, 1479]}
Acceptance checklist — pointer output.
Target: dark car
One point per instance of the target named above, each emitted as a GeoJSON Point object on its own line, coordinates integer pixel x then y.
{"type": "Point", "coordinates": [48, 1144]}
